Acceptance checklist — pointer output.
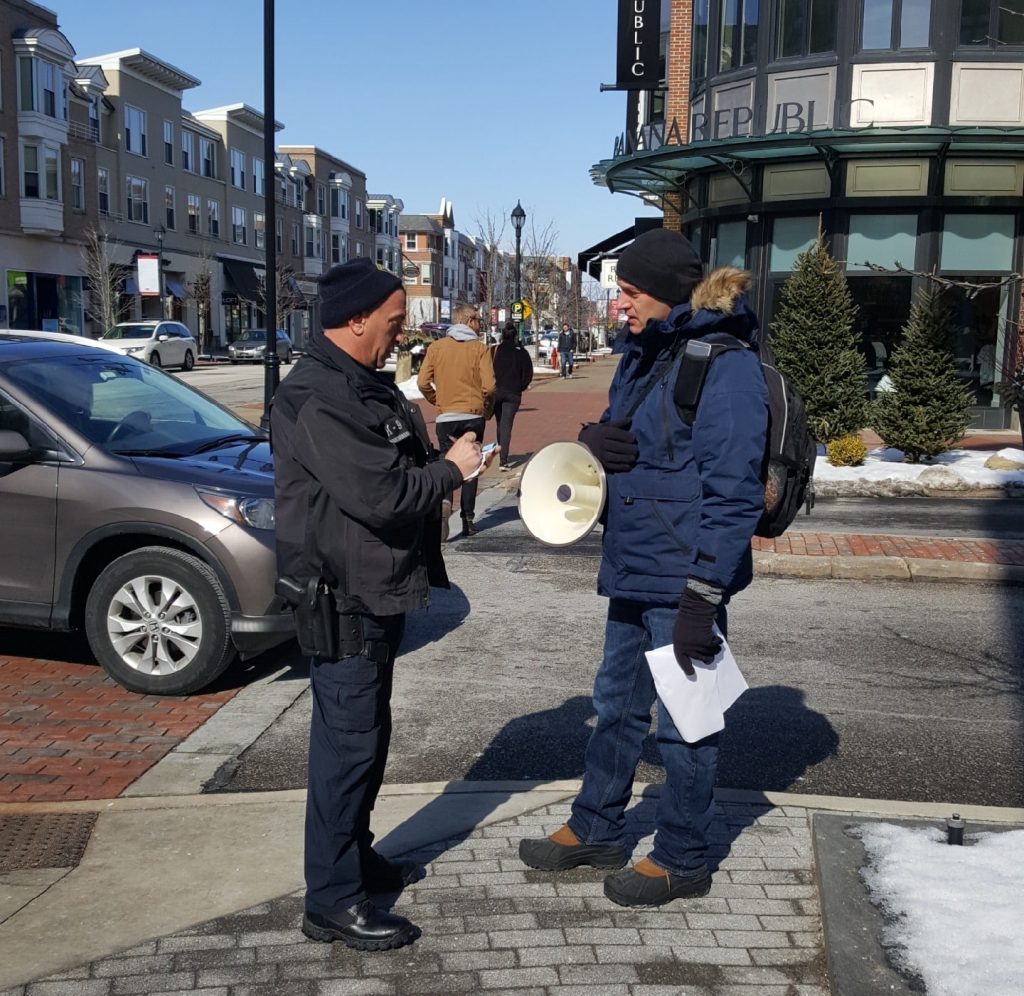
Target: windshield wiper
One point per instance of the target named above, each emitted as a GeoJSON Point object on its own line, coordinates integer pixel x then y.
{"type": "Point", "coordinates": [170, 454]}
{"type": "Point", "coordinates": [239, 437]}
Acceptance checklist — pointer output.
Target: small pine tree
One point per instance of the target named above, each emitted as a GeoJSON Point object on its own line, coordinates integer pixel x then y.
{"type": "Point", "coordinates": [815, 344]}
{"type": "Point", "coordinates": [927, 410]}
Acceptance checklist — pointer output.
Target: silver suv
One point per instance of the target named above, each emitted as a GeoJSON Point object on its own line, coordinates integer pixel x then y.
{"type": "Point", "coordinates": [251, 346]}
{"type": "Point", "coordinates": [137, 509]}
{"type": "Point", "coordinates": [158, 343]}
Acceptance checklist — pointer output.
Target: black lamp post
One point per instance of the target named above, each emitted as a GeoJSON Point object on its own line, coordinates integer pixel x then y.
{"type": "Point", "coordinates": [159, 234]}
{"type": "Point", "coordinates": [518, 219]}
{"type": "Point", "coordinates": [271, 361]}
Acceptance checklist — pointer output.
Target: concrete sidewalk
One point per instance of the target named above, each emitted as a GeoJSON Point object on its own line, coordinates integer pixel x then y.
{"type": "Point", "coordinates": [203, 894]}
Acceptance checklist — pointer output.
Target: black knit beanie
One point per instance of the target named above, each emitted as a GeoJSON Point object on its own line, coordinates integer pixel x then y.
{"type": "Point", "coordinates": [663, 264]}
{"type": "Point", "coordinates": [353, 288]}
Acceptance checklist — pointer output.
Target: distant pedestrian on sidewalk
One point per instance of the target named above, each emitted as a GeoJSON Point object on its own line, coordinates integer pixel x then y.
{"type": "Point", "coordinates": [358, 542]}
{"type": "Point", "coordinates": [513, 372]}
{"type": "Point", "coordinates": [458, 377]}
{"type": "Point", "coordinates": [681, 509]}
{"type": "Point", "coordinates": [566, 350]}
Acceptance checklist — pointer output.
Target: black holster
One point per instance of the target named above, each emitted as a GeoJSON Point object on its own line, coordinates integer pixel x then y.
{"type": "Point", "coordinates": [322, 632]}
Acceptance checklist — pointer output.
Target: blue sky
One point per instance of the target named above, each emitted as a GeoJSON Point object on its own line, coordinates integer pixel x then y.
{"type": "Point", "coordinates": [479, 101]}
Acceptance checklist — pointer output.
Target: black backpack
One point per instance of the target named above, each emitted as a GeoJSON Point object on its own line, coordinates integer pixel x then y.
{"type": "Point", "coordinates": [788, 467]}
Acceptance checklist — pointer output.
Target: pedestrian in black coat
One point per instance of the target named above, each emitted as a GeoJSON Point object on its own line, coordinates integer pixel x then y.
{"type": "Point", "coordinates": [513, 372]}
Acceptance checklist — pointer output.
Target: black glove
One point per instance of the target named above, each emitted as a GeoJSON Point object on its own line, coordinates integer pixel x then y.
{"type": "Point", "coordinates": [612, 443]}
{"type": "Point", "coordinates": [692, 633]}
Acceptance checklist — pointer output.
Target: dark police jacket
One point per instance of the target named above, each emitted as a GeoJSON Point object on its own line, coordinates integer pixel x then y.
{"type": "Point", "coordinates": [689, 506]}
{"type": "Point", "coordinates": [356, 499]}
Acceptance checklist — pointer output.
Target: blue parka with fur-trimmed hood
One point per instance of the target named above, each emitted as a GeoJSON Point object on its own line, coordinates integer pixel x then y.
{"type": "Point", "coordinates": [689, 506]}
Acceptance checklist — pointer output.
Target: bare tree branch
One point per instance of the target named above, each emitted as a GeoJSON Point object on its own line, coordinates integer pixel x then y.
{"type": "Point", "coordinates": [106, 277]}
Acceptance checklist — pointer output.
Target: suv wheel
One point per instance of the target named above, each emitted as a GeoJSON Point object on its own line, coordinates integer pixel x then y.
{"type": "Point", "coordinates": [154, 359]}
{"type": "Point", "coordinates": [159, 623]}
{"type": "Point", "coordinates": [190, 361]}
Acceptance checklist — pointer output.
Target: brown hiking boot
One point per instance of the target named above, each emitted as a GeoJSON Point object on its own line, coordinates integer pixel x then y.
{"type": "Point", "coordinates": [563, 850]}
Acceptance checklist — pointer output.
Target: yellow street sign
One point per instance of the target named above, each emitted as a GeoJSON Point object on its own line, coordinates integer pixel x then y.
{"type": "Point", "coordinates": [521, 311]}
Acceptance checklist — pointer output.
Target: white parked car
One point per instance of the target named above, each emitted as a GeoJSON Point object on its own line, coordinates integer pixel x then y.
{"type": "Point", "coordinates": [548, 342]}
{"type": "Point", "coordinates": [159, 343]}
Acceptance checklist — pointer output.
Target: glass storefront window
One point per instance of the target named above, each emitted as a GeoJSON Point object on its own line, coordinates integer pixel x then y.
{"type": "Point", "coordinates": [790, 237]}
{"type": "Point", "coordinates": [994, 23]}
{"type": "Point", "coordinates": [730, 248]}
{"type": "Point", "coordinates": [805, 27]}
{"type": "Point", "coordinates": [979, 338]}
{"type": "Point", "coordinates": [883, 306]}
{"type": "Point", "coordinates": [976, 242]}
{"type": "Point", "coordinates": [700, 40]}
{"type": "Point", "coordinates": [738, 34]}
{"type": "Point", "coordinates": [882, 239]}
{"type": "Point", "coordinates": [878, 27]}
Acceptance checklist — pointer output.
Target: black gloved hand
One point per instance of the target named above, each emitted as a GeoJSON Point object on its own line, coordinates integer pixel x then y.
{"type": "Point", "coordinates": [692, 633]}
{"type": "Point", "coordinates": [612, 443]}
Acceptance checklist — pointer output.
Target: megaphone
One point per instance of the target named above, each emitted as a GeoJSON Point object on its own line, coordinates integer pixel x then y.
{"type": "Point", "coordinates": [561, 493]}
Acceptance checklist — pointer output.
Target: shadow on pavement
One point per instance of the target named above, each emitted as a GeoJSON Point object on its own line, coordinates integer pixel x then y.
{"type": "Point", "coordinates": [448, 609]}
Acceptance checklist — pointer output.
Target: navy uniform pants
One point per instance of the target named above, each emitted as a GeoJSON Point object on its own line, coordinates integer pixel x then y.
{"type": "Point", "coordinates": [349, 735]}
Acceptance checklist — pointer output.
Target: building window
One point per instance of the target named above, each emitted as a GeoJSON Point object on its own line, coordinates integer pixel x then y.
{"type": "Point", "coordinates": [359, 248]}
{"type": "Point", "coordinates": [888, 25]}
{"type": "Point", "coordinates": [26, 84]}
{"type": "Point", "coordinates": [138, 199]}
{"type": "Point", "coordinates": [425, 275]}
{"type": "Point", "coordinates": [259, 229]}
{"type": "Point", "coordinates": [94, 118]}
{"type": "Point", "coordinates": [41, 87]}
{"type": "Point", "coordinates": [52, 81]}
{"type": "Point", "coordinates": [103, 189]}
{"type": "Point", "coordinates": [410, 240]}
{"type": "Point", "coordinates": [78, 184]}
{"type": "Point", "coordinates": [359, 213]}
{"type": "Point", "coordinates": [321, 199]}
{"type": "Point", "coordinates": [193, 214]}
{"type": "Point", "coordinates": [992, 23]}
{"type": "Point", "coordinates": [238, 225]}
{"type": "Point", "coordinates": [806, 27]}
{"type": "Point", "coordinates": [259, 178]}
{"type": "Point", "coordinates": [380, 256]}
{"type": "Point", "coordinates": [311, 233]}
{"type": "Point", "coordinates": [335, 248]}
{"type": "Point", "coordinates": [739, 34]}
{"type": "Point", "coordinates": [206, 158]}
{"type": "Point", "coordinates": [213, 219]}
{"type": "Point", "coordinates": [188, 151]}
{"type": "Point", "coordinates": [169, 142]}
{"type": "Point", "coordinates": [30, 171]}
{"type": "Point", "coordinates": [295, 240]}
{"type": "Point", "coordinates": [279, 236]}
{"type": "Point", "coordinates": [134, 130]}
{"type": "Point", "coordinates": [169, 208]}
{"type": "Point", "coordinates": [238, 169]}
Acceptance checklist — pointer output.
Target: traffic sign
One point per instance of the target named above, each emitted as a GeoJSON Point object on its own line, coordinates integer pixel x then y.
{"type": "Point", "coordinates": [521, 311]}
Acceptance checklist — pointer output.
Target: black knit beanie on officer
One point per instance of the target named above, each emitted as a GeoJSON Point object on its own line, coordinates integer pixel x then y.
{"type": "Point", "coordinates": [353, 288]}
{"type": "Point", "coordinates": [663, 264]}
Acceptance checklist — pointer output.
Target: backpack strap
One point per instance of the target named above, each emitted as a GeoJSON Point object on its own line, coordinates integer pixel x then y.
{"type": "Point", "coordinates": [658, 374]}
{"type": "Point", "coordinates": [697, 357]}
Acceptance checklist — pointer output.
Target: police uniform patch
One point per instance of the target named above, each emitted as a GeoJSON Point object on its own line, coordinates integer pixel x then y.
{"type": "Point", "coordinates": [396, 430]}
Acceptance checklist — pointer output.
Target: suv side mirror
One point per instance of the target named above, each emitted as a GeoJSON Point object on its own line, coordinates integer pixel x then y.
{"type": "Point", "coordinates": [14, 447]}
{"type": "Point", "coordinates": [163, 337]}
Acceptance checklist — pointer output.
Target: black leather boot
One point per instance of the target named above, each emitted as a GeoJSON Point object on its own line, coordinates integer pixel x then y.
{"type": "Point", "coordinates": [364, 927]}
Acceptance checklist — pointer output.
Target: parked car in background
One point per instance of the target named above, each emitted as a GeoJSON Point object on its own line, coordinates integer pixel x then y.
{"type": "Point", "coordinates": [251, 347]}
{"type": "Point", "coordinates": [436, 330]}
{"type": "Point", "coordinates": [548, 341]}
{"type": "Point", "coordinates": [136, 509]}
{"type": "Point", "coordinates": [158, 343]}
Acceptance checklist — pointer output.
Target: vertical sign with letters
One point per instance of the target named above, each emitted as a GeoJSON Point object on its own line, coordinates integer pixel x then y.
{"type": "Point", "coordinates": [637, 54]}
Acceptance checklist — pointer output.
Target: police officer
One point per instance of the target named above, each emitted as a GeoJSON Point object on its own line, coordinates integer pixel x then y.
{"type": "Point", "coordinates": [358, 542]}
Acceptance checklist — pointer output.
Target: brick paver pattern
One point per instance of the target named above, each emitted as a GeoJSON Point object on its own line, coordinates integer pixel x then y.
{"type": "Point", "coordinates": [961, 549]}
{"type": "Point", "coordinates": [492, 926]}
{"type": "Point", "coordinates": [67, 731]}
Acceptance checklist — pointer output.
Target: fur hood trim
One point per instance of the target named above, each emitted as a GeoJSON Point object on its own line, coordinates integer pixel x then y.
{"type": "Point", "coordinates": [720, 290]}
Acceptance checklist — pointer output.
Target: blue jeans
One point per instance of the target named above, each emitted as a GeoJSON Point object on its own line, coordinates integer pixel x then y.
{"type": "Point", "coordinates": [349, 736]}
{"type": "Point", "coordinates": [566, 361]}
{"type": "Point", "coordinates": [623, 696]}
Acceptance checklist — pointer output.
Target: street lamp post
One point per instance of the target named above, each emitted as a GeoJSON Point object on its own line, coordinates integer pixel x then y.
{"type": "Point", "coordinates": [271, 361]}
{"type": "Point", "coordinates": [159, 234]}
{"type": "Point", "coordinates": [518, 219]}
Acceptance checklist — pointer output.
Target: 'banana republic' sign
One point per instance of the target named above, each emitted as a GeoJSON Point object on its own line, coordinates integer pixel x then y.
{"type": "Point", "coordinates": [637, 53]}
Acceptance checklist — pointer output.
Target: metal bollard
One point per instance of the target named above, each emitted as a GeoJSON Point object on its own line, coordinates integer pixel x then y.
{"type": "Point", "coordinates": [955, 830]}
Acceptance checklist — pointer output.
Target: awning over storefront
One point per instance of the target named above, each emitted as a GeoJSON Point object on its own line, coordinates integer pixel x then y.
{"type": "Point", "coordinates": [173, 286]}
{"type": "Point", "coordinates": [131, 286]}
{"type": "Point", "coordinates": [589, 260]}
{"type": "Point", "coordinates": [241, 279]}
{"type": "Point", "coordinates": [660, 171]}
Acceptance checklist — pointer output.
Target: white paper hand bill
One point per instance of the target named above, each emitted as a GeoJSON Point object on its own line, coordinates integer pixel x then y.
{"type": "Point", "coordinates": [696, 703]}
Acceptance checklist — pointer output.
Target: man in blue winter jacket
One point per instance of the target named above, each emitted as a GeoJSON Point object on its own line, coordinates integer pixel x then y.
{"type": "Point", "coordinates": [682, 505]}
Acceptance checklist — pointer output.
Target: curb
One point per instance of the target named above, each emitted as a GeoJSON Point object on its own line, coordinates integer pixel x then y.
{"type": "Point", "coordinates": [879, 568]}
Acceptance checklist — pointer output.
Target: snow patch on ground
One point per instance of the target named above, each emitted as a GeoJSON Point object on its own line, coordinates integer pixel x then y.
{"type": "Point", "coordinates": [956, 470]}
{"type": "Point", "coordinates": [957, 915]}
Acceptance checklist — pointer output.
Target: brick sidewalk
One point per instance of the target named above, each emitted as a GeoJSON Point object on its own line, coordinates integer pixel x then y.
{"type": "Point", "coordinates": [67, 731]}
{"type": "Point", "coordinates": [491, 925]}
{"type": "Point", "coordinates": [961, 550]}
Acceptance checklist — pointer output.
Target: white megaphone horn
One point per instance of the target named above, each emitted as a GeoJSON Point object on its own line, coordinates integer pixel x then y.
{"type": "Point", "coordinates": [562, 493]}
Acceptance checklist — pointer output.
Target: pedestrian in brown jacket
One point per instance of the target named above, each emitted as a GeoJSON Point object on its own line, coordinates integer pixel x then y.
{"type": "Point", "coordinates": [457, 376]}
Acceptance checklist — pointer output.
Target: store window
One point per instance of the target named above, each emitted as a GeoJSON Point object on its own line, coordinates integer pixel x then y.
{"type": "Point", "coordinates": [805, 27]}
{"type": "Point", "coordinates": [979, 336]}
{"type": "Point", "coordinates": [888, 240]}
{"type": "Point", "coordinates": [883, 306]}
{"type": "Point", "coordinates": [977, 242]}
{"type": "Point", "coordinates": [895, 24]}
{"type": "Point", "coordinates": [992, 23]}
{"type": "Point", "coordinates": [738, 34]}
{"type": "Point", "coordinates": [790, 237]}
{"type": "Point", "coordinates": [729, 247]}
{"type": "Point", "coordinates": [699, 70]}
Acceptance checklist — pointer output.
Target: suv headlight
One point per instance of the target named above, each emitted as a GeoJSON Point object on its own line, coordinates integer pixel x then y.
{"type": "Point", "coordinates": [245, 510]}
{"type": "Point", "coordinates": [134, 349]}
